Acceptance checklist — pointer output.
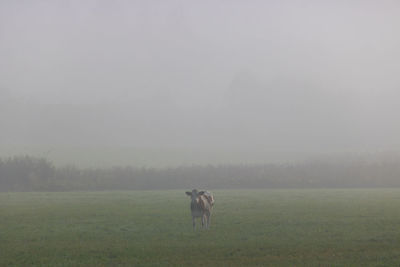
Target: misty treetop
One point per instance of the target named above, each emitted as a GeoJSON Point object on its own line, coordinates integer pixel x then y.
{"type": "Point", "coordinates": [26, 173]}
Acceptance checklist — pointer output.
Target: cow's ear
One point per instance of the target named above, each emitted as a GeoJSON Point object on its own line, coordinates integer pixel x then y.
{"type": "Point", "coordinates": [201, 193]}
{"type": "Point", "coordinates": [188, 193]}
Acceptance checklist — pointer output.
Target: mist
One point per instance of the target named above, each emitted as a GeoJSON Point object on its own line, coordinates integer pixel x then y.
{"type": "Point", "coordinates": [148, 83]}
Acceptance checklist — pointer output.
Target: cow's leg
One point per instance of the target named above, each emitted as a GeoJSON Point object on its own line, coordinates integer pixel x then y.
{"type": "Point", "coordinates": [207, 218]}
{"type": "Point", "coordinates": [203, 220]}
{"type": "Point", "coordinates": [194, 223]}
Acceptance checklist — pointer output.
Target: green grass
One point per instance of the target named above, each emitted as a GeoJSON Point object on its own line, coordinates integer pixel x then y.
{"type": "Point", "coordinates": [248, 228]}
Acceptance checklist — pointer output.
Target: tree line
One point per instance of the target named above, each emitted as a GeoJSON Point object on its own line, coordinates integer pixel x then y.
{"type": "Point", "coordinates": [26, 173]}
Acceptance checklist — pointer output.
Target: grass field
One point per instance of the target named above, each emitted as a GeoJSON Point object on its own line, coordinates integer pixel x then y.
{"type": "Point", "coordinates": [341, 227]}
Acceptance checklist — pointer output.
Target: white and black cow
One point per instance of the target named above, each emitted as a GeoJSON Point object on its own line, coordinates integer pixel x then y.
{"type": "Point", "coordinates": [201, 205]}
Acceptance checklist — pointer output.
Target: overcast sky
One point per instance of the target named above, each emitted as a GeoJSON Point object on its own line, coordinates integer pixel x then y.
{"type": "Point", "coordinates": [213, 81]}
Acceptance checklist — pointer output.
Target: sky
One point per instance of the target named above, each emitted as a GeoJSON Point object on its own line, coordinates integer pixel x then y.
{"type": "Point", "coordinates": [198, 82]}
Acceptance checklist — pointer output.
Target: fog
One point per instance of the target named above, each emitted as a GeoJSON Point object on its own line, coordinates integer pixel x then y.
{"type": "Point", "coordinates": [165, 83]}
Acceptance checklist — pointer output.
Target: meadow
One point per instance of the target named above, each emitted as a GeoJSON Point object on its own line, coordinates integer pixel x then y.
{"type": "Point", "coordinates": [291, 227]}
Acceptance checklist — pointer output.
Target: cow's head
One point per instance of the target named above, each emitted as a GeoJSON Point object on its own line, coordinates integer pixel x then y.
{"type": "Point", "coordinates": [194, 195]}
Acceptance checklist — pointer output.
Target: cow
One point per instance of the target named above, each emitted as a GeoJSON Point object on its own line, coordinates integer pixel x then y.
{"type": "Point", "coordinates": [201, 205]}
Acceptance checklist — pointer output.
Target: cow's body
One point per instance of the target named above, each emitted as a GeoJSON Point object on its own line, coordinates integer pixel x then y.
{"type": "Point", "coordinates": [201, 205]}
